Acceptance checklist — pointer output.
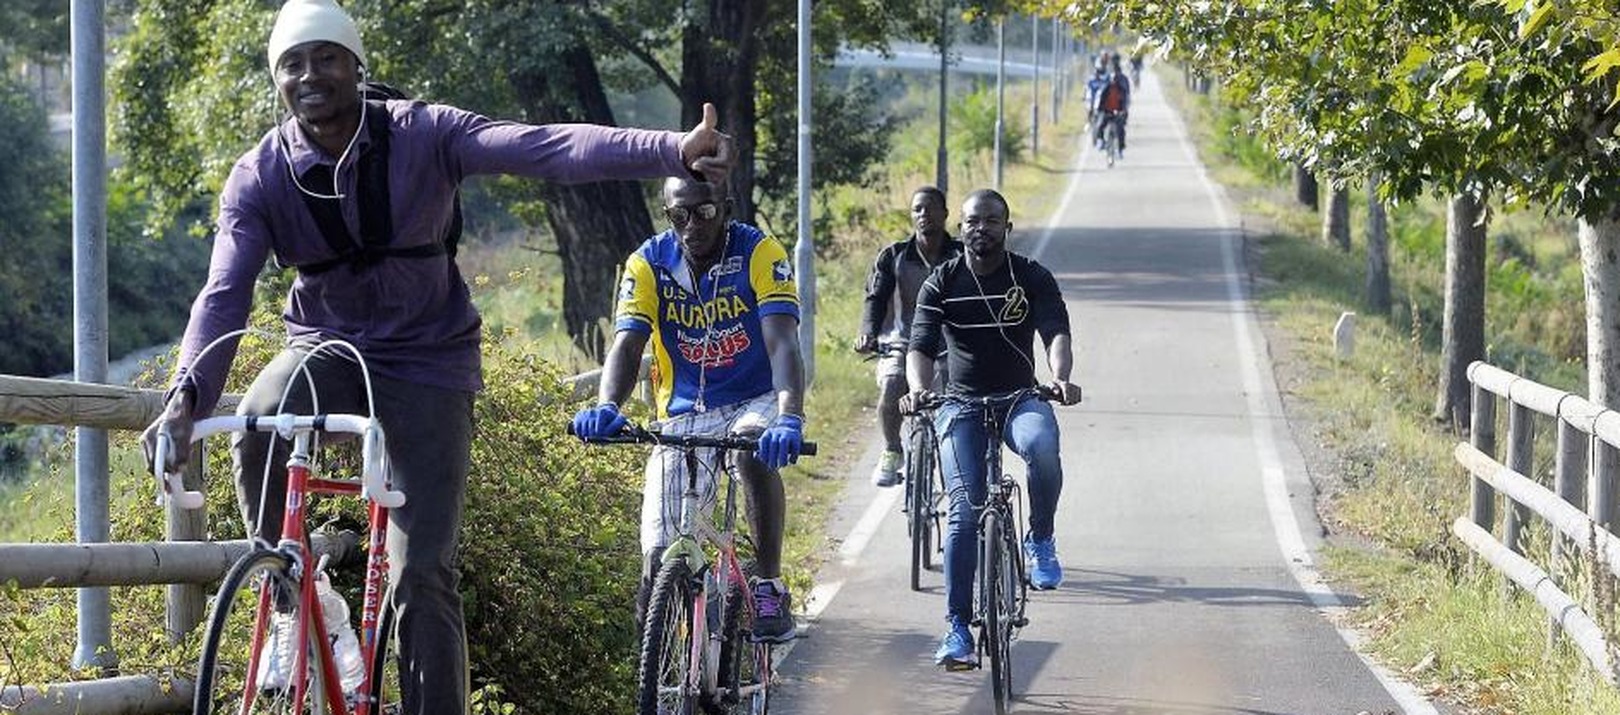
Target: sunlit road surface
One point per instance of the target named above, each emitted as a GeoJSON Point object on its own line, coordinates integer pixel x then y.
{"type": "Point", "coordinates": [1185, 525]}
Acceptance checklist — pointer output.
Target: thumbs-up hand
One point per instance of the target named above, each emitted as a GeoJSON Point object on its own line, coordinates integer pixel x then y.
{"type": "Point", "coordinates": [705, 150]}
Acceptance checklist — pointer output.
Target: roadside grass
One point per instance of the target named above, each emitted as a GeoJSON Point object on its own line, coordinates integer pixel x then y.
{"type": "Point", "coordinates": [1391, 488]}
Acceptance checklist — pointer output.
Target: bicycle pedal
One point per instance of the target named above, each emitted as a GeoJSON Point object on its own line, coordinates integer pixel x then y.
{"type": "Point", "coordinates": [956, 666]}
{"type": "Point", "coordinates": [1020, 622]}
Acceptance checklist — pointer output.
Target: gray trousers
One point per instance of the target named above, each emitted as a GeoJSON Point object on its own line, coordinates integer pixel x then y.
{"type": "Point", "coordinates": [429, 436]}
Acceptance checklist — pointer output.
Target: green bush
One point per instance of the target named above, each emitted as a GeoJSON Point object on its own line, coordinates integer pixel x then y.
{"type": "Point", "coordinates": [549, 552]}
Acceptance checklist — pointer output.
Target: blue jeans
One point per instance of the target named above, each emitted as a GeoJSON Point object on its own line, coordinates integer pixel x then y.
{"type": "Point", "coordinates": [1032, 432]}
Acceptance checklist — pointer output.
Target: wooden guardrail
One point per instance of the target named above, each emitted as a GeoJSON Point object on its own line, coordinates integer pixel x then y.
{"type": "Point", "coordinates": [1578, 508]}
{"type": "Point", "coordinates": [185, 561]}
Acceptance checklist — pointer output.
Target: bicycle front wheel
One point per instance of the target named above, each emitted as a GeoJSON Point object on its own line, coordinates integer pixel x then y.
{"type": "Point", "coordinates": [998, 612]}
{"type": "Point", "coordinates": [230, 676]}
{"type": "Point", "coordinates": [666, 645]}
{"type": "Point", "coordinates": [920, 475]}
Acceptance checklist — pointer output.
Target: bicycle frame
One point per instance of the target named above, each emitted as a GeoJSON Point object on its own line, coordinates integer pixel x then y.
{"type": "Point", "coordinates": [696, 530]}
{"type": "Point", "coordinates": [1001, 496]}
{"type": "Point", "coordinates": [294, 544]}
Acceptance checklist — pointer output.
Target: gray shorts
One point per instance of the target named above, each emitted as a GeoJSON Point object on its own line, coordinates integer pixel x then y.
{"type": "Point", "coordinates": [666, 474]}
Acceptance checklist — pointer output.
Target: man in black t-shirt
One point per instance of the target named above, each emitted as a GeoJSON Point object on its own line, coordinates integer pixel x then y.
{"type": "Point", "coordinates": [891, 298]}
{"type": "Point", "coordinates": [984, 308]}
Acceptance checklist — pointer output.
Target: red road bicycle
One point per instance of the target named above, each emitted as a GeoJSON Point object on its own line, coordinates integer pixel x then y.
{"type": "Point", "coordinates": [277, 583]}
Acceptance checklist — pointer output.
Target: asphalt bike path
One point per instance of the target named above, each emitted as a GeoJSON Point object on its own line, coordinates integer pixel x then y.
{"type": "Point", "coordinates": [1186, 526]}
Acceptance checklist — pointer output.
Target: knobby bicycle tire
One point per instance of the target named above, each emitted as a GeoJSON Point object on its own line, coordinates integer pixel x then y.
{"type": "Point", "coordinates": [666, 645]}
{"type": "Point", "coordinates": [240, 616]}
{"type": "Point", "coordinates": [744, 664]}
{"type": "Point", "coordinates": [997, 615]}
{"type": "Point", "coordinates": [920, 484]}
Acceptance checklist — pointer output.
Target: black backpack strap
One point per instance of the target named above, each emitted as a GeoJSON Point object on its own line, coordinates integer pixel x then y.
{"type": "Point", "coordinates": [376, 217]}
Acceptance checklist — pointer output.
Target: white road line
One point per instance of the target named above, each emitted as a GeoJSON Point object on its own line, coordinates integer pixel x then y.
{"type": "Point", "coordinates": [1068, 196]}
{"type": "Point", "coordinates": [1284, 521]}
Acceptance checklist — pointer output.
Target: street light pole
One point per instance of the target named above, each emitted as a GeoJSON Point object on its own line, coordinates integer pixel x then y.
{"type": "Point", "coordinates": [1001, 89]}
{"type": "Point", "coordinates": [92, 493]}
{"type": "Point", "coordinates": [1057, 79]}
{"type": "Point", "coordinates": [942, 172]}
{"type": "Point", "coordinates": [1035, 88]}
{"type": "Point", "coordinates": [804, 248]}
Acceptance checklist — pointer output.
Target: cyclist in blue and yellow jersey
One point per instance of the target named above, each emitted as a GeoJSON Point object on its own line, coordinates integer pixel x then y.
{"type": "Point", "coordinates": [717, 301]}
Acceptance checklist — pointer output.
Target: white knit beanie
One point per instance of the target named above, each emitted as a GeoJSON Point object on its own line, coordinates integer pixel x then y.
{"type": "Point", "coordinates": [301, 21]}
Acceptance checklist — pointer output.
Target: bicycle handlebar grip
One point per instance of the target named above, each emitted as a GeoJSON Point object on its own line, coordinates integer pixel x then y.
{"type": "Point", "coordinates": [171, 486]}
{"type": "Point", "coordinates": [807, 449]}
{"type": "Point", "coordinates": [374, 475]}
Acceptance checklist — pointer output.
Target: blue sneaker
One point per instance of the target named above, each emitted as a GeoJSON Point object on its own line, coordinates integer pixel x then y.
{"type": "Point", "coordinates": [956, 648]}
{"type": "Point", "coordinates": [1045, 573]}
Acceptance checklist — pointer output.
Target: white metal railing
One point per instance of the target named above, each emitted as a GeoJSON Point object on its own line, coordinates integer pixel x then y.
{"type": "Point", "coordinates": [186, 561]}
{"type": "Point", "coordinates": [1578, 507]}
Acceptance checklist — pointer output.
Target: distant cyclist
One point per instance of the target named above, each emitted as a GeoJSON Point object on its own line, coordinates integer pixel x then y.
{"type": "Point", "coordinates": [1136, 68]}
{"type": "Point", "coordinates": [1094, 87]}
{"type": "Point", "coordinates": [986, 307]}
{"type": "Point", "coordinates": [716, 299]}
{"type": "Point", "coordinates": [1112, 104]}
{"type": "Point", "coordinates": [891, 296]}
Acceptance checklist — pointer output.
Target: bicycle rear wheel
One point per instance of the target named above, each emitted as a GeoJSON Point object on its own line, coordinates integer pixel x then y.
{"type": "Point", "coordinates": [666, 645]}
{"type": "Point", "coordinates": [1111, 141]}
{"type": "Point", "coordinates": [920, 478]}
{"type": "Point", "coordinates": [998, 614]}
{"type": "Point", "coordinates": [745, 666]}
{"type": "Point", "coordinates": [239, 633]}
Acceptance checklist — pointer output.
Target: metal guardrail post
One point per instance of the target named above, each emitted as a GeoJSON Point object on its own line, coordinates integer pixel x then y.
{"type": "Point", "coordinates": [1520, 458]}
{"type": "Point", "coordinates": [185, 601]}
{"type": "Point", "coordinates": [1482, 434]}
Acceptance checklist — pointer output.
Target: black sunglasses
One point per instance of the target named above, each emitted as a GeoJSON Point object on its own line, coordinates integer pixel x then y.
{"type": "Point", "coordinates": [682, 215]}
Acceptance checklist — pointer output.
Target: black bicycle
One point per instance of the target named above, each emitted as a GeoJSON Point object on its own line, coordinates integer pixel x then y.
{"type": "Point", "coordinates": [925, 484]}
{"type": "Point", "coordinates": [1001, 588]}
{"type": "Point", "coordinates": [925, 492]}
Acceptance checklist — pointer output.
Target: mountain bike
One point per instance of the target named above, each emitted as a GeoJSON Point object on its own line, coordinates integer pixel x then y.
{"type": "Point", "coordinates": [277, 584]}
{"type": "Point", "coordinates": [697, 653]}
{"type": "Point", "coordinates": [1001, 585]}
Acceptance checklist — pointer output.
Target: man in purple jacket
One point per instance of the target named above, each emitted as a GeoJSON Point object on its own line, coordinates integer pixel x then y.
{"type": "Point", "coordinates": [385, 283]}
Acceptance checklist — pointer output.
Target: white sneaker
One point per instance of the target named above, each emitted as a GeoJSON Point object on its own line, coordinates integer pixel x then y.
{"type": "Point", "coordinates": [887, 471]}
{"type": "Point", "coordinates": [276, 659]}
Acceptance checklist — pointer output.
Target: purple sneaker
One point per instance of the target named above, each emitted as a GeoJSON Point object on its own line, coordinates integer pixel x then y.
{"type": "Point", "coordinates": [774, 621]}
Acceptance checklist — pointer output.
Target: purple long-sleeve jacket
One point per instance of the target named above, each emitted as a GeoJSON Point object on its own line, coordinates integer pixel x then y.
{"type": "Point", "coordinates": [412, 318]}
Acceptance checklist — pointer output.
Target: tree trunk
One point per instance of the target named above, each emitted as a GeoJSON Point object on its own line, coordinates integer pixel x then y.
{"type": "Point", "coordinates": [1378, 294]}
{"type": "Point", "coordinates": [719, 63]}
{"type": "Point", "coordinates": [1336, 219]}
{"type": "Point", "coordinates": [1305, 187]}
{"type": "Point", "coordinates": [1463, 334]}
{"type": "Point", "coordinates": [1600, 262]}
{"type": "Point", "coordinates": [596, 225]}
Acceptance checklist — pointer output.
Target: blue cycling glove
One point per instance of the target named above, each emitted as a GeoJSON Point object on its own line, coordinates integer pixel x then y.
{"type": "Point", "coordinates": [780, 443]}
{"type": "Point", "coordinates": [602, 420]}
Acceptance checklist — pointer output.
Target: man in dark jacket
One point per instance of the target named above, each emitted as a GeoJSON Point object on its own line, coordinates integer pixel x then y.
{"type": "Point", "coordinates": [891, 296]}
